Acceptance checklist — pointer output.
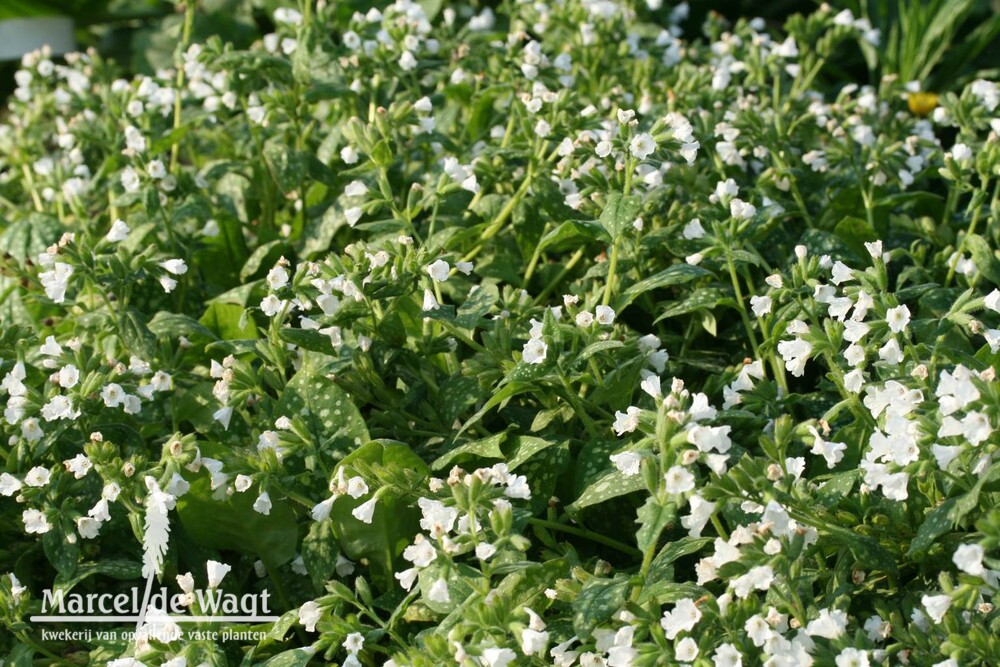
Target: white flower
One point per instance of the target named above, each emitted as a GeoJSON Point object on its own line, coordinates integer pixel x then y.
{"type": "Point", "coordinates": [969, 559]}
{"type": "Point", "coordinates": [59, 407]}
{"type": "Point", "coordinates": [682, 618]}
{"type": "Point", "coordinates": [686, 650]}
{"type": "Point", "coordinates": [309, 615]}
{"type": "Point", "coordinates": [642, 146]}
{"type": "Point", "coordinates": [533, 642]}
{"type": "Point", "coordinates": [356, 487]}
{"type": "Point", "coordinates": [407, 577]}
{"type": "Point", "coordinates": [627, 463]}
{"type": "Point", "coordinates": [761, 305]}
{"type": "Point", "coordinates": [498, 657]}
{"type": "Point", "coordinates": [936, 606]}
{"type": "Point", "coordinates": [584, 319]}
{"type": "Point", "coordinates": [118, 232]}
{"type": "Point", "coordinates": [271, 305]}
{"type": "Point", "coordinates": [365, 511]}
{"type": "Point", "coordinates": [852, 657]}
{"type": "Point", "coordinates": [354, 642]}
{"type": "Point", "coordinates": [604, 315]}
{"type": "Point", "coordinates": [439, 270]}
{"type": "Point", "coordinates": [277, 277]}
{"type": "Point", "coordinates": [439, 592]}
{"type": "Point", "coordinates": [603, 148]}
{"type": "Point", "coordinates": [56, 281]}
{"type": "Point", "coordinates": [178, 267]}
{"type": "Point", "coordinates": [485, 550]}
{"type": "Point", "coordinates": [626, 422]}
{"type": "Point", "coordinates": [216, 572]}
{"type": "Point", "coordinates": [37, 477]}
{"type": "Point", "coordinates": [9, 485]}
{"type": "Point", "coordinates": [693, 230]}
{"type": "Point", "coordinates": [897, 318]}
{"type": "Point", "coordinates": [430, 303]}
{"type": "Point", "coordinates": [88, 527]}
{"type": "Point", "coordinates": [534, 351]}
{"type": "Point", "coordinates": [35, 522]}
{"type": "Point", "coordinates": [679, 480]}
{"type": "Point", "coordinates": [830, 625]}
{"type": "Point", "coordinates": [263, 503]}
{"type": "Point", "coordinates": [68, 376]}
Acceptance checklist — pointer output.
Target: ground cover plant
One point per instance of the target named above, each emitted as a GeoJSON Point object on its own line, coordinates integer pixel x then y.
{"type": "Point", "coordinates": [533, 334]}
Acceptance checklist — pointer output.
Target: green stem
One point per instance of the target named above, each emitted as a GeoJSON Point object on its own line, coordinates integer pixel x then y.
{"type": "Point", "coordinates": [586, 534]}
{"type": "Point", "coordinates": [182, 47]}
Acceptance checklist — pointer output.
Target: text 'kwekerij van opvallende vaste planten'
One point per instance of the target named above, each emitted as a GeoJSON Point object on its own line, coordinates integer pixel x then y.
{"type": "Point", "coordinates": [576, 333]}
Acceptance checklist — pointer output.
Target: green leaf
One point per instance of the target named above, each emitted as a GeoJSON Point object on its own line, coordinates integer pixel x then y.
{"type": "Point", "coordinates": [837, 487]}
{"type": "Point", "coordinates": [984, 258]}
{"type": "Point", "coordinates": [233, 524]}
{"type": "Point", "coordinates": [173, 325]}
{"type": "Point", "coordinates": [653, 518]}
{"type": "Point", "coordinates": [674, 550]}
{"type": "Point", "coordinates": [307, 339]}
{"type": "Point", "coordinates": [225, 321]}
{"type": "Point", "coordinates": [297, 657]}
{"type": "Point", "coordinates": [597, 602]}
{"type": "Point", "coordinates": [476, 306]}
{"type": "Point", "coordinates": [30, 236]}
{"type": "Point", "coordinates": [62, 553]}
{"type": "Point", "coordinates": [855, 232]}
{"type": "Point", "coordinates": [573, 230]}
{"type": "Point", "coordinates": [395, 520]}
{"type": "Point", "coordinates": [669, 592]}
{"type": "Point", "coordinates": [135, 335]}
{"type": "Point", "coordinates": [487, 448]}
{"type": "Point", "coordinates": [677, 274]}
{"type": "Point", "coordinates": [619, 213]}
{"type": "Point", "coordinates": [326, 410]}
{"type": "Point", "coordinates": [935, 524]}
{"type": "Point", "coordinates": [523, 447]}
{"type": "Point", "coordinates": [610, 485]}
{"type": "Point", "coordinates": [287, 166]}
{"type": "Point", "coordinates": [599, 347]}
{"type": "Point", "coordinates": [319, 552]}
{"type": "Point", "coordinates": [124, 570]}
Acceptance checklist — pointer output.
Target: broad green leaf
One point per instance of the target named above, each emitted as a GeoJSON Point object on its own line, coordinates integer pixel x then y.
{"type": "Point", "coordinates": [677, 274]}
{"type": "Point", "coordinates": [619, 213]}
{"type": "Point", "coordinates": [476, 306]}
{"type": "Point", "coordinates": [225, 321]}
{"type": "Point", "coordinates": [669, 592]}
{"type": "Point", "coordinates": [287, 166]}
{"type": "Point", "coordinates": [487, 448]}
{"type": "Point", "coordinates": [173, 325]}
{"type": "Point", "coordinates": [653, 518]}
{"type": "Point", "coordinates": [136, 335]}
{"type": "Point", "coordinates": [396, 518]}
{"type": "Point", "coordinates": [296, 657]}
{"type": "Point", "coordinates": [936, 523]}
{"type": "Point", "coordinates": [984, 258]}
{"type": "Point", "coordinates": [118, 569]}
{"type": "Point", "coordinates": [599, 347]}
{"type": "Point", "coordinates": [319, 552]}
{"type": "Point", "coordinates": [610, 485]}
{"type": "Point", "coordinates": [598, 601]}
{"type": "Point", "coordinates": [326, 410]}
{"type": "Point", "coordinates": [233, 524]}
{"type": "Point", "coordinates": [523, 447]}
{"type": "Point", "coordinates": [674, 550]}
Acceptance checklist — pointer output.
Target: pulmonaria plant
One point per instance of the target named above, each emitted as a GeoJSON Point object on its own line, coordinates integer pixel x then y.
{"type": "Point", "coordinates": [577, 333]}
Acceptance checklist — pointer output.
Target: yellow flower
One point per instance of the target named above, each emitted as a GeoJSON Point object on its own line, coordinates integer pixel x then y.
{"type": "Point", "coordinates": [922, 104]}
